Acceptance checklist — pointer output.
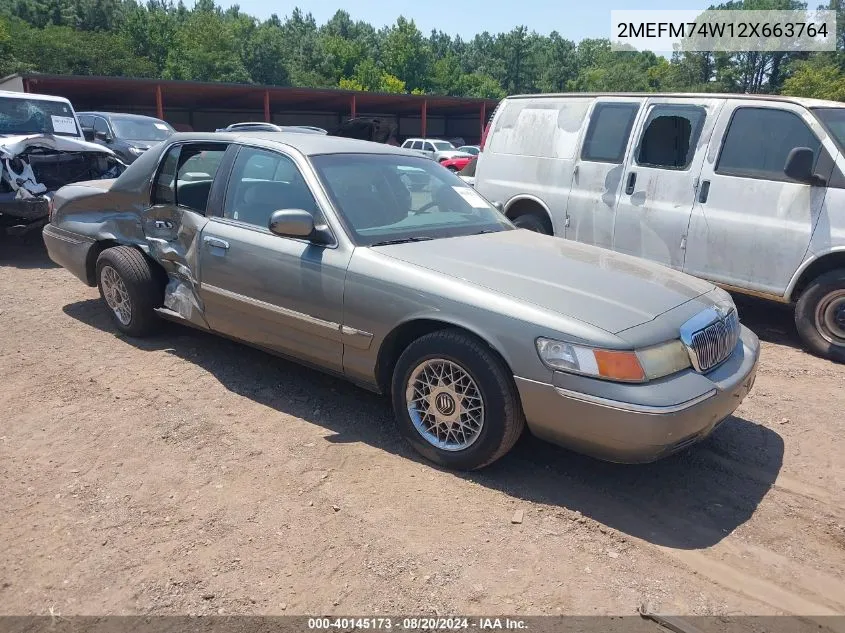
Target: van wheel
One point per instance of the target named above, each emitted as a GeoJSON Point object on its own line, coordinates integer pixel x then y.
{"type": "Point", "coordinates": [820, 315]}
{"type": "Point", "coordinates": [455, 401]}
{"type": "Point", "coordinates": [533, 222]}
{"type": "Point", "coordinates": [129, 287]}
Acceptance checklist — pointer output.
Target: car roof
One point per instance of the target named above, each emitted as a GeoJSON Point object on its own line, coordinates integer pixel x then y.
{"type": "Point", "coordinates": [122, 115]}
{"type": "Point", "coordinates": [307, 144]}
{"type": "Point", "coordinates": [30, 95]}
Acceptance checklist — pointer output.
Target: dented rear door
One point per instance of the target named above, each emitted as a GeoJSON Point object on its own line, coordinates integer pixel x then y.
{"type": "Point", "coordinates": [751, 225]}
{"type": "Point", "coordinates": [660, 178]}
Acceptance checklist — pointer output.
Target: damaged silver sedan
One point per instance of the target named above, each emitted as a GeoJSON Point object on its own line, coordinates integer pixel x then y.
{"type": "Point", "coordinates": [380, 266]}
{"type": "Point", "coordinates": [41, 150]}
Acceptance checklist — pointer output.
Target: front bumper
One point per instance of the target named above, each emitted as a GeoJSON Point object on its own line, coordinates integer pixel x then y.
{"type": "Point", "coordinates": [70, 251]}
{"type": "Point", "coordinates": [593, 422]}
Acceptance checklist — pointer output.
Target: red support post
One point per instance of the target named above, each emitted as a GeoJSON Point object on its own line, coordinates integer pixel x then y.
{"type": "Point", "coordinates": [266, 106]}
{"type": "Point", "coordinates": [423, 118]}
{"type": "Point", "coordinates": [26, 86]}
{"type": "Point", "coordinates": [354, 107]}
{"type": "Point", "coordinates": [159, 105]}
{"type": "Point", "coordinates": [483, 118]}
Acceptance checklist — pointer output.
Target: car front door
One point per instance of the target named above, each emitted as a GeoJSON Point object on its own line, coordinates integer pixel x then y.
{"type": "Point", "coordinates": [597, 174]}
{"type": "Point", "coordinates": [661, 174]}
{"type": "Point", "coordinates": [751, 224]}
{"type": "Point", "coordinates": [280, 293]}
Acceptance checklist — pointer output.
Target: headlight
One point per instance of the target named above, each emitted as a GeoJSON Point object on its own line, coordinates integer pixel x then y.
{"type": "Point", "coordinates": [620, 365]}
{"type": "Point", "coordinates": [137, 151]}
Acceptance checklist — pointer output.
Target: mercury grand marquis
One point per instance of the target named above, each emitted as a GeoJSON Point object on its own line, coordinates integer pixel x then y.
{"type": "Point", "coordinates": [375, 264]}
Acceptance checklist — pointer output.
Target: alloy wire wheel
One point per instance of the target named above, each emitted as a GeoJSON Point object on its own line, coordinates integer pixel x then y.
{"type": "Point", "coordinates": [116, 295]}
{"type": "Point", "coordinates": [445, 404]}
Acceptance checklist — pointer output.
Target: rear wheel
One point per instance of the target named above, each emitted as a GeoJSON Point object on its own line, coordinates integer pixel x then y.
{"type": "Point", "coordinates": [130, 289]}
{"type": "Point", "coordinates": [533, 222]}
{"type": "Point", "coordinates": [455, 401]}
{"type": "Point", "coordinates": [820, 315]}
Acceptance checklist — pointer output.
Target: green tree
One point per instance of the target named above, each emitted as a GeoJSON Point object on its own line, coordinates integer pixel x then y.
{"type": "Point", "coordinates": [406, 54]}
{"type": "Point", "coordinates": [205, 49]}
{"type": "Point", "coordinates": [816, 80]}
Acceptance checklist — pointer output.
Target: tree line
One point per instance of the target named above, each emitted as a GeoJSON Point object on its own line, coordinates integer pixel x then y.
{"type": "Point", "coordinates": [163, 39]}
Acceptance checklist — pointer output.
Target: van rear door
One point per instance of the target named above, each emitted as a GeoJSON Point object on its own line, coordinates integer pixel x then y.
{"type": "Point", "coordinates": [597, 173]}
{"type": "Point", "coordinates": [660, 178]}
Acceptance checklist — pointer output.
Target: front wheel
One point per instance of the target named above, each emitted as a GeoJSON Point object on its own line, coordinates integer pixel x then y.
{"type": "Point", "coordinates": [820, 315]}
{"type": "Point", "coordinates": [532, 222]}
{"type": "Point", "coordinates": [455, 401]}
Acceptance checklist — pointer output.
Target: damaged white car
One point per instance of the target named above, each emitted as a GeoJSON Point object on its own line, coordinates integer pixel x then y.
{"type": "Point", "coordinates": [42, 149]}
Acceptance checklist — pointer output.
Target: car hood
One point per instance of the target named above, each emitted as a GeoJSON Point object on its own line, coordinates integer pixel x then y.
{"type": "Point", "coordinates": [16, 145]}
{"type": "Point", "coordinates": [608, 290]}
{"type": "Point", "coordinates": [451, 153]}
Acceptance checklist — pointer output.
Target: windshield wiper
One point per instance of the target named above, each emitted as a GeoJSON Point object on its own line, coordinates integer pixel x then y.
{"type": "Point", "coordinates": [404, 240]}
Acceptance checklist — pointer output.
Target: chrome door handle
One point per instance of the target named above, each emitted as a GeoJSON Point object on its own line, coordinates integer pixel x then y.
{"type": "Point", "coordinates": [216, 242]}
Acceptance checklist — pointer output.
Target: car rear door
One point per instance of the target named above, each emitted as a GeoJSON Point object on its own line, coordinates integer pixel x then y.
{"type": "Point", "coordinates": [660, 178]}
{"type": "Point", "coordinates": [280, 293]}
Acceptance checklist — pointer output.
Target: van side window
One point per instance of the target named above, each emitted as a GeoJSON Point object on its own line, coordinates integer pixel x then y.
{"type": "Point", "coordinates": [759, 140]}
{"type": "Point", "coordinates": [670, 136]}
{"type": "Point", "coordinates": [607, 136]}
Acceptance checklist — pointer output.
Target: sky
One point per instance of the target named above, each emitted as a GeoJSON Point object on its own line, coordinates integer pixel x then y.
{"type": "Point", "coordinates": [574, 20]}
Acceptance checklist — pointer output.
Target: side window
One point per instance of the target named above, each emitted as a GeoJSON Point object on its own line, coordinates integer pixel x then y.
{"type": "Point", "coordinates": [85, 120]}
{"type": "Point", "coordinates": [186, 174]}
{"type": "Point", "coordinates": [417, 145]}
{"type": "Point", "coordinates": [607, 135]}
{"type": "Point", "coordinates": [263, 182]}
{"type": "Point", "coordinates": [670, 136]}
{"type": "Point", "coordinates": [100, 125]}
{"type": "Point", "coordinates": [164, 191]}
{"type": "Point", "coordinates": [407, 144]}
{"type": "Point", "coordinates": [759, 140]}
{"type": "Point", "coordinates": [428, 147]}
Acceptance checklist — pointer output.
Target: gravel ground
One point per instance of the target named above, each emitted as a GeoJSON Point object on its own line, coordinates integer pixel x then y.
{"type": "Point", "coordinates": [186, 474]}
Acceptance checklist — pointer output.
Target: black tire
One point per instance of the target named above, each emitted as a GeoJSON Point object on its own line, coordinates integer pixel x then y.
{"type": "Point", "coordinates": [818, 338]}
{"type": "Point", "coordinates": [533, 222]}
{"type": "Point", "coordinates": [453, 169]}
{"type": "Point", "coordinates": [503, 420]}
{"type": "Point", "coordinates": [142, 285]}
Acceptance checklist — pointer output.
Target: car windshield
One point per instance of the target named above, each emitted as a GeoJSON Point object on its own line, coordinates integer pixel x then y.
{"type": "Point", "coordinates": [833, 120]}
{"type": "Point", "coordinates": [469, 149]}
{"type": "Point", "coordinates": [392, 198]}
{"type": "Point", "coordinates": [442, 145]}
{"type": "Point", "coordinates": [141, 129]}
{"type": "Point", "coordinates": [34, 116]}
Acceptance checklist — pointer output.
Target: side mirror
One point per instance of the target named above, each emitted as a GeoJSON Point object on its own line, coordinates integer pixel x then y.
{"type": "Point", "coordinates": [292, 223]}
{"type": "Point", "coordinates": [300, 224]}
{"type": "Point", "coordinates": [799, 166]}
{"type": "Point", "coordinates": [88, 133]}
{"type": "Point", "coordinates": [102, 136]}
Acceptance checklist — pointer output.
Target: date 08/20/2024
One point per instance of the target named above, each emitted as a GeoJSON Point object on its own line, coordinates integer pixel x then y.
{"type": "Point", "coordinates": [415, 624]}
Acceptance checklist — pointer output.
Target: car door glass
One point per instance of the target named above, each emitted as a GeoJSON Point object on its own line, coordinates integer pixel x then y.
{"type": "Point", "coordinates": [86, 121]}
{"type": "Point", "coordinates": [752, 150]}
{"type": "Point", "coordinates": [669, 136]}
{"type": "Point", "coordinates": [263, 182]}
{"type": "Point", "coordinates": [428, 147]}
{"type": "Point", "coordinates": [417, 145]}
{"type": "Point", "coordinates": [608, 132]}
{"type": "Point", "coordinates": [164, 190]}
{"type": "Point", "coordinates": [186, 174]}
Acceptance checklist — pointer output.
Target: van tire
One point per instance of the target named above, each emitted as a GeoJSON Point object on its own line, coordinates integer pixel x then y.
{"type": "Point", "coordinates": [819, 314]}
{"type": "Point", "coordinates": [138, 288]}
{"type": "Point", "coordinates": [533, 222]}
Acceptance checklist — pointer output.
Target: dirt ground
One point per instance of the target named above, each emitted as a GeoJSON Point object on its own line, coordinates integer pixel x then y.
{"type": "Point", "coordinates": [188, 474]}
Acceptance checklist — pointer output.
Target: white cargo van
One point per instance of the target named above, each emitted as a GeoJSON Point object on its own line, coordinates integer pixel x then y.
{"type": "Point", "coordinates": [746, 191]}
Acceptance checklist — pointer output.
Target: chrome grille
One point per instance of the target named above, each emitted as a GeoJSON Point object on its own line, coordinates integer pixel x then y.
{"type": "Point", "coordinates": [712, 344]}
